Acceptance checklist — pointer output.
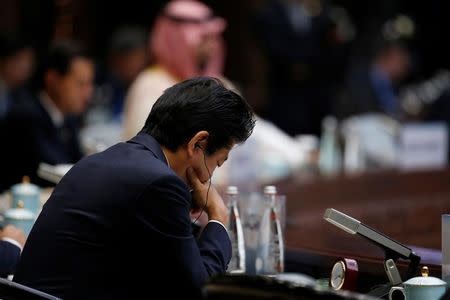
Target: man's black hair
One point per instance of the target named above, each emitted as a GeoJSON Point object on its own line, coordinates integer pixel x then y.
{"type": "Point", "coordinates": [126, 39]}
{"type": "Point", "coordinates": [59, 58]}
{"type": "Point", "coordinates": [200, 103]}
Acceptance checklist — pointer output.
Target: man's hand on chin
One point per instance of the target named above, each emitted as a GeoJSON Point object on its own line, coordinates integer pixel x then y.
{"type": "Point", "coordinates": [202, 218]}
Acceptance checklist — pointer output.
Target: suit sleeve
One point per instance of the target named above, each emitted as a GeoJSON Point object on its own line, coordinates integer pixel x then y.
{"type": "Point", "coordinates": [9, 258]}
{"type": "Point", "coordinates": [163, 209]}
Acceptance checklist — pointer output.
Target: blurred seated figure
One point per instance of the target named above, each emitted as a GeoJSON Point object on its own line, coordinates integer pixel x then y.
{"type": "Point", "coordinates": [16, 66]}
{"type": "Point", "coordinates": [372, 86]}
{"type": "Point", "coordinates": [126, 58]}
{"type": "Point", "coordinates": [185, 41]}
{"type": "Point", "coordinates": [12, 241]}
{"type": "Point", "coordinates": [304, 42]}
{"type": "Point", "coordinates": [45, 127]}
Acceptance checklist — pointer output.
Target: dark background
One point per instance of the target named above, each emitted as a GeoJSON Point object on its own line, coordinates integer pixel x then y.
{"type": "Point", "coordinates": [92, 22]}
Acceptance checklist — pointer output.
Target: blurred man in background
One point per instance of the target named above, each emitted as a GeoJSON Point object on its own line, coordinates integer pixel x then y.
{"type": "Point", "coordinates": [126, 58]}
{"type": "Point", "coordinates": [45, 127]}
{"type": "Point", "coordinates": [185, 41]}
{"type": "Point", "coordinates": [16, 67]}
{"type": "Point", "coordinates": [372, 87]}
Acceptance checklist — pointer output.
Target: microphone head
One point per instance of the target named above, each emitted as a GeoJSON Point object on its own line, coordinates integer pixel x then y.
{"type": "Point", "coordinates": [354, 226]}
{"type": "Point", "coordinates": [341, 220]}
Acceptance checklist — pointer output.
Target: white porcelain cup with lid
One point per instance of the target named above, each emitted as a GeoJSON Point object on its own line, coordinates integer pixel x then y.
{"type": "Point", "coordinates": [421, 287]}
{"type": "Point", "coordinates": [27, 192]}
{"type": "Point", "coordinates": [20, 217]}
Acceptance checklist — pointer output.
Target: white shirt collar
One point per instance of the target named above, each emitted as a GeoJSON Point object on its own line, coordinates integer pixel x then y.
{"type": "Point", "coordinates": [168, 164]}
{"type": "Point", "coordinates": [55, 114]}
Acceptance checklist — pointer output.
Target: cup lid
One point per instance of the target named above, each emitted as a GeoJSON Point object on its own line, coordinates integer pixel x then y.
{"type": "Point", "coordinates": [19, 214]}
{"type": "Point", "coordinates": [425, 280]}
{"type": "Point", "coordinates": [25, 187]}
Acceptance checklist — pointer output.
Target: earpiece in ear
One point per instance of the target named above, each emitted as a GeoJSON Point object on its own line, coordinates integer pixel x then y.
{"type": "Point", "coordinates": [197, 145]}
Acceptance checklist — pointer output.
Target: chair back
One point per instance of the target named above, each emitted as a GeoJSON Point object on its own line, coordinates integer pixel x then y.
{"type": "Point", "coordinates": [10, 290]}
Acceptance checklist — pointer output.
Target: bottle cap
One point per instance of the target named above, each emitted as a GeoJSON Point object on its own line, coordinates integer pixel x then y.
{"type": "Point", "coordinates": [232, 190]}
{"type": "Point", "coordinates": [270, 189]}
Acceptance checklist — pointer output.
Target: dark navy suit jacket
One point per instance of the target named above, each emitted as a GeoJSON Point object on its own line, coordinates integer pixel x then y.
{"type": "Point", "coordinates": [118, 226]}
{"type": "Point", "coordinates": [31, 137]}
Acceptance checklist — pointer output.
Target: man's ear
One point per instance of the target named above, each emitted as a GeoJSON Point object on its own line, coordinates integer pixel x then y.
{"type": "Point", "coordinates": [198, 143]}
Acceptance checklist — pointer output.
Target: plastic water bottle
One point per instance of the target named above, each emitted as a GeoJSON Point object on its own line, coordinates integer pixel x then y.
{"type": "Point", "coordinates": [330, 159]}
{"type": "Point", "coordinates": [353, 154]}
{"type": "Point", "coordinates": [270, 248]}
{"type": "Point", "coordinates": [235, 231]}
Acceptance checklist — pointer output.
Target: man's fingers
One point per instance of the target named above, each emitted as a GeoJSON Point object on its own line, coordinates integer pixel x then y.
{"type": "Point", "coordinates": [193, 178]}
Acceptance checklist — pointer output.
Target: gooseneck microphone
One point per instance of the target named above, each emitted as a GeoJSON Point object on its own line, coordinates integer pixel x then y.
{"type": "Point", "coordinates": [392, 249]}
{"type": "Point", "coordinates": [354, 226]}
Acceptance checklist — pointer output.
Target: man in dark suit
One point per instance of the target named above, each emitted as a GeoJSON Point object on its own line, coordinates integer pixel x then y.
{"type": "Point", "coordinates": [118, 225]}
{"type": "Point", "coordinates": [372, 87]}
{"type": "Point", "coordinates": [45, 127]}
